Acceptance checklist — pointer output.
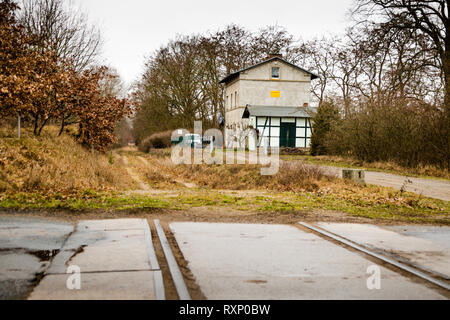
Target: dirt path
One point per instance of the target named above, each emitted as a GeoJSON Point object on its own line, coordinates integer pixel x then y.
{"type": "Point", "coordinates": [143, 187]}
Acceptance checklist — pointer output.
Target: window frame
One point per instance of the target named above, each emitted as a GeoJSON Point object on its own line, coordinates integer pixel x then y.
{"type": "Point", "coordinates": [279, 73]}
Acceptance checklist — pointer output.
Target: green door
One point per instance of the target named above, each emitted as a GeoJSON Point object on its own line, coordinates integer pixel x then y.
{"type": "Point", "coordinates": [287, 135]}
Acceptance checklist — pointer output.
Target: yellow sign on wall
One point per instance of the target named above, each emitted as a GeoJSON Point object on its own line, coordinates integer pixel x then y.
{"type": "Point", "coordinates": [275, 94]}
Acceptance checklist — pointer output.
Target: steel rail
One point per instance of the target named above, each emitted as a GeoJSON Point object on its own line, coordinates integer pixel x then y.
{"type": "Point", "coordinates": [175, 271]}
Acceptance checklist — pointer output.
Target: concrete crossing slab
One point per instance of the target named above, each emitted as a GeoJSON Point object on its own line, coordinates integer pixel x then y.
{"type": "Point", "coordinates": [422, 248]}
{"type": "Point", "coordinates": [25, 248]}
{"type": "Point", "coordinates": [439, 235]}
{"type": "Point", "coordinates": [115, 259]}
{"type": "Point", "coordinates": [111, 224]}
{"type": "Point", "coordinates": [17, 271]}
{"type": "Point", "coordinates": [113, 251]}
{"type": "Point", "coordinates": [32, 234]}
{"type": "Point", "coordinates": [243, 261]}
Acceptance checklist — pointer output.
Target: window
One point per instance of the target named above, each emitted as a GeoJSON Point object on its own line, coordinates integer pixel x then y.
{"type": "Point", "coordinates": [303, 133]}
{"type": "Point", "coordinates": [228, 103]}
{"type": "Point", "coordinates": [231, 102]}
{"type": "Point", "coordinates": [275, 73]}
{"type": "Point", "coordinates": [270, 128]}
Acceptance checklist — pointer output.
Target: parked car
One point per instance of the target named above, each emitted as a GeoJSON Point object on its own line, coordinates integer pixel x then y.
{"type": "Point", "coordinates": [194, 140]}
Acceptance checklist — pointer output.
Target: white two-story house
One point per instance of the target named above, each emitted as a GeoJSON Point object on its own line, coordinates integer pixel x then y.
{"type": "Point", "coordinates": [272, 97]}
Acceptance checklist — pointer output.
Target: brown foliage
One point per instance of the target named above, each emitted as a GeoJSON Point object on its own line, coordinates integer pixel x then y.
{"type": "Point", "coordinates": [41, 87]}
{"type": "Point", "coordinates": [98, 114]}
{"type": "Point", "coordinates": [297, 176]}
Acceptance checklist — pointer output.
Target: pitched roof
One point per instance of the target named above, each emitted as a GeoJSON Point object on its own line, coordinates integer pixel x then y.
{"type": "Point", "coordinates": [234, 75]}
{"type": "Point", "coordinates": [273, 111]}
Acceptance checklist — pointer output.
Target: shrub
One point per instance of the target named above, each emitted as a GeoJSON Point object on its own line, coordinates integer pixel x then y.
{"type": "Point", "coordinates": [296, 176]}
{"type": "Point", "coordinates": [159, 140]}
{"type": "Point", "coordinates": [327, 115]}
{"type": "Point", "coordinates": [407, 133]}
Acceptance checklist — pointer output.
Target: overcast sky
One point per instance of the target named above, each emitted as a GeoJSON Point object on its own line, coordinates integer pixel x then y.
{"type": "Point", "coordinates": [132, 29]}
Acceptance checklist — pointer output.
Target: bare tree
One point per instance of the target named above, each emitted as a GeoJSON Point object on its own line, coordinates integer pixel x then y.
{"type": "Point", "coordinates": [234, 53]}
{"type": "Point", "coordinates": [270, 40]}
{"type": "Point", "coordinates": [430, 17]}
{"type": "Point", "coordinates": [396, 64]}
{"type": "Point", "coordinates": [112, 84]}
{"type": "Point", "coordinates": [315, 55]}
{"type": "Point", "coordinates": [211, 69]}
{"type": "Point", "coordinates": [62, 29]}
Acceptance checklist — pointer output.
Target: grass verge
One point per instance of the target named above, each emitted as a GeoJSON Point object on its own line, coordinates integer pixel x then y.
{"type": "Point", "coordinates": [422, 210]}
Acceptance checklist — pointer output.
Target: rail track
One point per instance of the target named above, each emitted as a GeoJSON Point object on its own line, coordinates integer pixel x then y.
{"type": "Point", "coordinates": [417, 271]}
{"type": "Point", "coordinates": [426, 275]}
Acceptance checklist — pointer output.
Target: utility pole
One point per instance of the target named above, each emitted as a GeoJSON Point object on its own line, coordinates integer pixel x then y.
{"type": "Point", "coordinates": [18, 125]}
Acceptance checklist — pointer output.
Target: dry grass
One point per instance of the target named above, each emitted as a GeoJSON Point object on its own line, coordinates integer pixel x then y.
{"type": "Point", "coordinates": [297, 188]}
{"type": "Point", "coordinates": [159, 171]}
{"type": "Point", "coordinates": [295, 177]}
{"type": "Point", "coordinates": [300, 177]}
{"type": "Point", "coordinates": [152, 170]}
{"type": "Point", "coordinates": [52, 164]}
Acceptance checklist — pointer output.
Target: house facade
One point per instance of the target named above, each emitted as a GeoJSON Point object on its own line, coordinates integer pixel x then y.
{"type": "Point", "coordinates": [272, 97]}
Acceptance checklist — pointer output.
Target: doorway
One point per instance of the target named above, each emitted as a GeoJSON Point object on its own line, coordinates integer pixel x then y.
{"type": "Point", "coordinates": [287, 134]}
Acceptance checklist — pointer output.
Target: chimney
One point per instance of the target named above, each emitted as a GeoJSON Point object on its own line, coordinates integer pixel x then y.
{"type": "Point", "coordinates": [273, 55]}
